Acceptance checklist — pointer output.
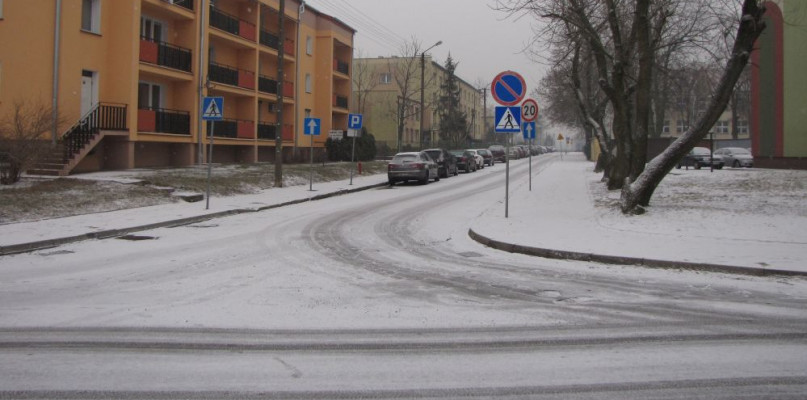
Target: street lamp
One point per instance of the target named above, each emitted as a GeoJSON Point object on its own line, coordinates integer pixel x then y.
{"type": "Point", "coordinates": [422, 100]}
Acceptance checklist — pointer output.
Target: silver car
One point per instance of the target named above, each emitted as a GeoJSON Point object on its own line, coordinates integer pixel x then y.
{"type": "Point", "coordinates": [736, 157]}
{"type": "Point", "coordinates": [412, 166]}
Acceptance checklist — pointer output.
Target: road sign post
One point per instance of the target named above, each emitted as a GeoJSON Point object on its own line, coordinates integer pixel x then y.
{"type": "Point", "coordinates": [311, 128]}
{"type": "Point", "coordinates": [508, 89]}
{"type": "Point", "coordinates": [529, 135]}
{"type": "Point", "coordinates": [354, 122]}
{"type": "Point", "coordinates": [212, 110]}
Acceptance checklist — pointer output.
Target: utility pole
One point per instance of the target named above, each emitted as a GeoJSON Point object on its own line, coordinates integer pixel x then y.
{"type": "Point", "coordinates": [485, 113]}
{"type": "Point", "coordinates": [281, 54]}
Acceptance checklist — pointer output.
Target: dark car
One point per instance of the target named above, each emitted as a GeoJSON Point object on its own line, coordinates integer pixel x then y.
{"type": "Point", "coordinates": [465, 160]}
{"type": "Point", "coordinates": [498, 153]}
{"type": "Point", "coordinates": [446, 163]}
{"type": "Point", "coordinates": [700, 157]}
{"type": "Point", "coordinates": [487, 156]}
{"type": "Point", "coordinates": [412, 166]}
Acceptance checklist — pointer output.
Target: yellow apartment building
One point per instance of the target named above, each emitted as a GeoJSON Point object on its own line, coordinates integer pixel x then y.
{"type": "Point", "coordinates": [127, 77]}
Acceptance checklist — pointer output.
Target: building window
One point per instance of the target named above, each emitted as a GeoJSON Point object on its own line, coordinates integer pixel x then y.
{"type": "Point", "coordinates": [681, 126]}
{"type": "Point", "coordinates": [308, 83]}
{"type": "Point", "coordinates": [386, 78]}
{"type": "Point", "coordinates": [149, 95]}
{"type": "Point", "coordinates": [91, 15]}
{"type": "Point", "coordinates": [722, 127]}
{"type": "Point", "coordinates": [309, 45]}
{"type": "Point", "coordinates": [666, 128]}
{"type": "Point", "coordinates": [1, 9]}
{"type": "Point", "coordinates": [742, 127]}
{"type": "Point", "coordinates": [151, 29]}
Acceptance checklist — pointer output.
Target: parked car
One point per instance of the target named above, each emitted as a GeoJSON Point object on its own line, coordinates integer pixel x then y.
{"type": "Point", "coordinates": [446, 163]}
{"type": "Point", "coordinates": [514, 153]}
{"type": "Point", "coordinates": [480, 161]}
{"type": "Point", "coordinates": [487, 156]}
{"type": "Point", "coordinates": [701, 157]}
{"type": "Point", "coordinates": [498, 153]}
{"type": "Point", "coordinates": [412, 166]}
{"type": "Point", "coordinates": [736, 157]}
{"type": "Point", "coordinates": [465, 160]}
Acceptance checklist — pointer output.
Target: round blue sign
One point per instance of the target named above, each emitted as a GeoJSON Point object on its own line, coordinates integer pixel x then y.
{"type": "Point", "coordinates": [508, 88]}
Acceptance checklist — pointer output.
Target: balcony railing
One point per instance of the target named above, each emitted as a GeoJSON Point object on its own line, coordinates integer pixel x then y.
{"type": "Point", "coordinates": [288, 47]}
{"type": "Point", "coordinates": [340, 101]}
{"type": "Point", "coordinates": [267, 85]}
{"type": "Point", "coordinates": [162, 120]}
{"type": "Point", "coordinates": [233, 129]}
{"type": "Point", "coordinates": [104, 116]}
{"type": "Point", "coordinates": [269, 39]}
{"type": "Point", "coordinates": [267, 131]}
{"type": "Point", "coordinates": [182, 3]}
{"type": "Point", "coordinates": [341, 66]}
{"type": "Point", "coordinates": [232, 24]}
{"type": "Point", "coordinates": [231, 76]}
{"type": "Point", "coordinates": [288, 89]}
{"type": "Point", "coordinates": [165, 54]}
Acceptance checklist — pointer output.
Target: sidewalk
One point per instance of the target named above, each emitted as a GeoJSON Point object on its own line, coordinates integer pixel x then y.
{"type": "Point", "coordinates": [559, 219]}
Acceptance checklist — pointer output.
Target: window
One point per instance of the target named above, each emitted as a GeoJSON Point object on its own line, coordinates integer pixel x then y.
{"type": "Point", "coordinates": [91, 15]}
{"type": "Point", "coordinates": [742, 127]}
{"type": "Point", "coordinates": [386, 78]}
{"type": "Point", "coordinates": [149, 95]}
{"type": "Point", "coordinates": [666, 127]}
{"type": "Point", "coordinates": [681, 126]}
{"type": "Point", "coordinates": [309, 45]}
{"type": "Point", "coordinates": [151, 29]}
{"type": "Point", "coordinates": [722, 127]}
{"type": "Point", "coordinates": [1, 9]}
{"type": "Point", "coordinates": [308, 83]}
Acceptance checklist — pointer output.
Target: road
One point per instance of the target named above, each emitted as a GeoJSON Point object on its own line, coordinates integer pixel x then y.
{"type": "Point", "coordinates": [381, 294]}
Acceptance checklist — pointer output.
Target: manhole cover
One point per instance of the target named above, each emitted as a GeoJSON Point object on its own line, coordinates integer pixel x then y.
{"type": "Point", "coordinates": [137, 237]}
{"type": "Point", "coordinates": [470, 254]}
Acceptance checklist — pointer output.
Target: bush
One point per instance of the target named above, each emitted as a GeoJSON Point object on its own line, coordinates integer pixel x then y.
{"type": "Point", "coordinates": [21, 139]}
{"type": "Point", "coordinates": [340, 150]}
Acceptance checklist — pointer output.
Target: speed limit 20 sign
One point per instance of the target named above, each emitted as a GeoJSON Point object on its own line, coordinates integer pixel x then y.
{"type": "Point", "coordinates": [529, 110]}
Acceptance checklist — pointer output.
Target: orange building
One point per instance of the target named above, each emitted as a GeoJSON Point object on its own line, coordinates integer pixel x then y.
{"type": "Point", "coordinates": [128, 77]}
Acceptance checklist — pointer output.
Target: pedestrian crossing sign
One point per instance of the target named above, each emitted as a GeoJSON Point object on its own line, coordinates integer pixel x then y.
{"type": "Point", "coordinates": [213, 108]}
{"type": "Point", "coordinates": [508, 119]}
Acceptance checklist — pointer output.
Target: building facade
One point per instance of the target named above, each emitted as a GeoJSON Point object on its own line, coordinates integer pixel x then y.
{"type": "Point", "coordinates": [778, 85]}
{"type": "Point", "coordinates": [379, 94]}
{"type": "Point", "coordinates": [127, 77]}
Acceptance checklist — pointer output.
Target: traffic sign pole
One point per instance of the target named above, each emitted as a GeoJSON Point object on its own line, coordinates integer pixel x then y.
{"type": "Point", "coordinates": [209, 163]}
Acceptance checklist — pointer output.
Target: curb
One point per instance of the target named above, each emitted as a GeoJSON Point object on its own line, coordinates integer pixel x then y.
{"type": "Point", "coordinates": [111, 233]}
{"type": "Point", "coordinates": [619, 260]}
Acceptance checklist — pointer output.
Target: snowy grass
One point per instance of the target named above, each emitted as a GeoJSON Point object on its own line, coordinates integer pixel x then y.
{"type": "Point", "coordinates": [36, 198]}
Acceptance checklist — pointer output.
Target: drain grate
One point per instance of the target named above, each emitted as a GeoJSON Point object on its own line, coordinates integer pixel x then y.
{"type": "Point", "coordinates": [470, 254]}
{"type": "Point", "coordinates": [136, 237]}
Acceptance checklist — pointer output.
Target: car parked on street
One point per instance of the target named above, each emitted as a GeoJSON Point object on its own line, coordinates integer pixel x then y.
{"type": "Point", "coordinates": [487, 156]}
{"type": "Point", "coordinates": [701, 157]}
{"type": "Point", "coordinates": [446, 163]}
{"type": "Point", "coordinates": [498, 153]}
{"type": "Point", "coordinates": [480, 161]}
{"type": "Point", "coordinates": [412, 166]}
{"type": "Point", "coordinates": [465, 160]}
{"type": "Point", "coordinates": [736, 157]}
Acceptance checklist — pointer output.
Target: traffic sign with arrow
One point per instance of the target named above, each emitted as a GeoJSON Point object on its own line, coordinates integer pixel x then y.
{"type": "Point", "coordinates": [311, 126]}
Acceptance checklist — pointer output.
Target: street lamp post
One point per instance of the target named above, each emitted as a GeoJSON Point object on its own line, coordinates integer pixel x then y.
{"type": "Point", "coordinates": [422, 83]}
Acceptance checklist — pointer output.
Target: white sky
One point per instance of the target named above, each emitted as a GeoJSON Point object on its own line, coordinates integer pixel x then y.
{"type": "Point", "coordinates": [483, 41]}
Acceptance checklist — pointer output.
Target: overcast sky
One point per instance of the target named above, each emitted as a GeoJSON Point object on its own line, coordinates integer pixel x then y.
{"type": "Point", "coordinates": [483, 41]}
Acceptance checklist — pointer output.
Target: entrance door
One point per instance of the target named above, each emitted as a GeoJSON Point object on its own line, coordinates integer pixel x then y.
{"type": "Point", "coordinates": [89, 91]}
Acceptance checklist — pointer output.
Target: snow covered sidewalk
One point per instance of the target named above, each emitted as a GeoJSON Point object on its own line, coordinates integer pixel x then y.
{"type": "Point", "coordinates": [568, 214]}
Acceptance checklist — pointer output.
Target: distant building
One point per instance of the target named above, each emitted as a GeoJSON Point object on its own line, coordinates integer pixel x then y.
{"type": "Point", "coordinates": [130, 75]}
{"type": "Point", "coordinates": [380, 96]}
{"type": "Point", "coordinates": [778, 87]}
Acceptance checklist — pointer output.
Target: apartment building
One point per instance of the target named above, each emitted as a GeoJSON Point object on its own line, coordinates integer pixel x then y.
{"type": "Point", "coordinates": [381, 95]}
{"type": "Point", "coordinates": [127, 77]}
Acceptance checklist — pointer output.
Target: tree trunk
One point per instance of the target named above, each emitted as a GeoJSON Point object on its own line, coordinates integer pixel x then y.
{"type": "Point", "coordinates": [637, 193]}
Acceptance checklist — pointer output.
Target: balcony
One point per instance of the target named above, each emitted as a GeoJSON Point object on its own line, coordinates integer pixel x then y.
{"type": "Point", "coordinates": [162, 120]}
{"type": "Point", "coordinates": [267, 131]}
{"type": "Point", "coordinates": [182, 3]}
{"type": "Point", "coordinates": [232, 24]}
{"type": "Point", "coordinates": [269, 39]}
{"type": "Point", "coordinates": [340, 101]}
{"type": "Point", "coordinates": [288, 47]}
{"type": "Point", "coordinates": [165, 55]}
{"type": "Point", "coordinates": [340, 66]}
{"type": "Point", "coordinates": [233, 129]}
{"type": "Point", "coordinates": [267, 85]}
{"type": "Point", "coordinates": [231, 76]}
{"type": "Point", "coordinates": [288, 89]}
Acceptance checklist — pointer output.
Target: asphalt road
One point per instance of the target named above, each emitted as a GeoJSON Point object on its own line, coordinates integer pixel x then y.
{"type": "Point", "coordinates": [381, 294]}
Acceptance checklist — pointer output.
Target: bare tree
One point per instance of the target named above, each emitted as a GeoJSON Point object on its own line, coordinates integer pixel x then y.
{"type": "Point", "coordinates": [22, 142]}
{"type": "Point", "coordinates": [365, 79]}
{"type": "Point", "coordinates": [405, 71]}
